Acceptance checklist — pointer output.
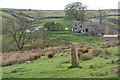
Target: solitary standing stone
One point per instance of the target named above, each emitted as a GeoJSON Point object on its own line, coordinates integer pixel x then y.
{"type": "Point", "coordinates": [74, 55]}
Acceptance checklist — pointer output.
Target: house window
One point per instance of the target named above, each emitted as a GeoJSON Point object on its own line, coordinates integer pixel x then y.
{"type": "Point", "coordinates": [83, 30]}
{"type": "Point", "coordinates": [86, 30]}
{"type": "Point", "coordinates": [81, 26]}
{"type": "Point", "coordinates": [75, 25]}
{"type": "Point", "coordinates": [75, 28]}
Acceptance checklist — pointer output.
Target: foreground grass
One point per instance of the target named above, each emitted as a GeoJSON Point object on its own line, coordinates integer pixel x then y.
{"type": "Point", "coordinates": [57, 67]}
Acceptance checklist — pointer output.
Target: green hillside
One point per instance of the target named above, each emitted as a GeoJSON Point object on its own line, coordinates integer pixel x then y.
{"type": "Point", "coordinates": [57, 67]}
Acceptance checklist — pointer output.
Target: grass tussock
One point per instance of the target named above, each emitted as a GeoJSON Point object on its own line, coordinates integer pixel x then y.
{"type": "Point", "coordinates": [50, 54]}
{"type": "Point", "coordinates": [86, 57]}
{"type": "Point", "coordinates": [110, 44]}
{"type": "Point", "coordinates": [96, 52]}
{"type": "Point", "coordinates": [83, 50]}
{"type": "Point", "coordinates": [101, 53]}
{"type": "Point", "coordinates": [82, 55]}
{"type": "Point", "coordinates": [105, 45]}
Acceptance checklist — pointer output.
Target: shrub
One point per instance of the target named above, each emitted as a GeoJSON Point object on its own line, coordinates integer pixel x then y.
{"type": "Point", "coordinates": [54, 25]}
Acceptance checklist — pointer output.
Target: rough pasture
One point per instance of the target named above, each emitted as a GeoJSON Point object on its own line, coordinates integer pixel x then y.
{"type": "Point", "coordinates": [23, 56]}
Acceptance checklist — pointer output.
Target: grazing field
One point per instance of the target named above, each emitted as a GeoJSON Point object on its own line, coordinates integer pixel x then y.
{"type": "Point", "coordinates": [57, 67]}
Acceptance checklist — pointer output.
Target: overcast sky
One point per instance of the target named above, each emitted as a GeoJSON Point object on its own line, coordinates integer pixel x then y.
{"type": "Point", "coordinates": [57, 4]}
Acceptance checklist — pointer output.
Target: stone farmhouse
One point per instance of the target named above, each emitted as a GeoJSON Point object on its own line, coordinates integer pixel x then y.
{"type": "Point", "coordinates": [88, 28]}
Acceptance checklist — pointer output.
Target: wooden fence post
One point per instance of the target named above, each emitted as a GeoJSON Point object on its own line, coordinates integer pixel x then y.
{"type": "Point", "coordinates": [74, 55]}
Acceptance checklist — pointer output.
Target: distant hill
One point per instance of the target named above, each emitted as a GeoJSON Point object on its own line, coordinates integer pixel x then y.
{"type": "Point", "coordinates": [35, 13]}
{"type": "Point", "coordinates": [111, 14]}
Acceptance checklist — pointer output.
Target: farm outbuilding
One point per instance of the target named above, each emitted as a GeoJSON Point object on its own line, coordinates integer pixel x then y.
{"type": "Point", "coordinates": [111, 37]}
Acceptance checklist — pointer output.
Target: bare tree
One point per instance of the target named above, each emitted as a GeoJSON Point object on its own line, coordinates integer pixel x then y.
{"type": "Point", "coordinates": [75, 11]}
{"type": "Point", "coordinates": [17, 28]}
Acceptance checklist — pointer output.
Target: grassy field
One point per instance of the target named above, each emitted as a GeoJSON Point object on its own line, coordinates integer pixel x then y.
{"type": "Point", "coordinates": [74, 37]}
{"type": "Point", "coordinates": [57, 67]}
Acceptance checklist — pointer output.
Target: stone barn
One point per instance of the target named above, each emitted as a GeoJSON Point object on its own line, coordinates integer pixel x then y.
{"type": "Point", "coordinates": [88, 28]}
{"type": "Point", "coordinates": [111, 37]}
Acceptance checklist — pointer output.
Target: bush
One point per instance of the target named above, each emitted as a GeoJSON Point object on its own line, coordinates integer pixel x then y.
{"type": "Point", "coordinates": [54, 26]}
